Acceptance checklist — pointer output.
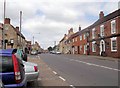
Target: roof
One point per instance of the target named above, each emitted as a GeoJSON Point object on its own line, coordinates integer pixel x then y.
{"type": "Point", "coordinates": [106, 18]}
{"type": "Point", "coordinates": [98, 22]}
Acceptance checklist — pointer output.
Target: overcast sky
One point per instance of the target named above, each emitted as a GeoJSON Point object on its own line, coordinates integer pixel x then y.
{"type": "Point", "coordinates": [49, 20]}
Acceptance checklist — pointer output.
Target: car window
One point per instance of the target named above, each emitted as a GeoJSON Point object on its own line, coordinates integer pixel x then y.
{"type": "Point", "coordinates": [6, 64]}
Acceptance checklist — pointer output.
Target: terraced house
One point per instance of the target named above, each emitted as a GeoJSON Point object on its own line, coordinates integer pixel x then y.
{"type": "Point", "coordinates": [12, 36]}
{"type": "Point", "coordinates": [101, 38]}
{"type": "Point", "coordinates": [104, 36]}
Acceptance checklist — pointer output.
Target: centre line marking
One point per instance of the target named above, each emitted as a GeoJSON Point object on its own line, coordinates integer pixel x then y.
{"type": "Point", "coordinates": [72, 86]}
{"type": "Point", "coordinates": [62, 78]}
{"type": "Point", "coordinates": [95, 65]}
{"type": "Point", "coordinates": [54, 72]}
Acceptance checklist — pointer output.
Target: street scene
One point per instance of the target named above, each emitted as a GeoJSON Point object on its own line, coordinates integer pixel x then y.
{"type": "Point", "coordinates": [73, 44]}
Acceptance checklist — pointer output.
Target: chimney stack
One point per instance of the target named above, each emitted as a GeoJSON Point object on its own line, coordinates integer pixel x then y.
{"type": "Point", "coordinates": [17, 28]}
{"type": "Point", "coordinates": [65, 35]}
{"type": "Point", "coordinates": [101, 15]}
{"type": "Point", "coordinates": [79, 28]}
{"type": "Point", "coordinates": [7, 20]}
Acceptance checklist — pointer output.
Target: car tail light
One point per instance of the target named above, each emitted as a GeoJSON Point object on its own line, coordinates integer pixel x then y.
{"type": "Point", "coordinates": [16, 69]}
{"type": "Point", "coordinates": [35, 68]}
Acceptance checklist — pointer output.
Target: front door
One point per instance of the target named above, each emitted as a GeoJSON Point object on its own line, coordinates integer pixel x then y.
{"type": "Point", "coordinates": [102, 46]}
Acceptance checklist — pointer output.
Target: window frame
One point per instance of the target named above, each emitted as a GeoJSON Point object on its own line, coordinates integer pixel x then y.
{"type": "Point", "coordinates": [113, 39]}
{"type": "Point", "coordinates": [102, 30]}
{"type": "Point", "coordinates": [80, 37]}
{"type": "Point", "coordinates": [93, 33]}
{"type": "Point", "coordinates": [93, 46]}
{"type": "Point", "coordinates": [113, 31]}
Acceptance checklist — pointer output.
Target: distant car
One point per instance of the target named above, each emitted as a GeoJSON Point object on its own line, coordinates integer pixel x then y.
{"type": "Point", "coordinates": [31, 69]}
{"type": "Point", "coordinates": [57, 52]}
{"type": "Point", "coordinates": [12, 70]}
{"type": "Point", "coordinates": [34, 52]}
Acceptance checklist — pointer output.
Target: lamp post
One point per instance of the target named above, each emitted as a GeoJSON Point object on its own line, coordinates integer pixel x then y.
{"type": "Point", "coordinates": [34, 38]}
{"type": "Point", "coordinates": [20, 28]}
{"type": "Point", "coordinates": [3, 34]}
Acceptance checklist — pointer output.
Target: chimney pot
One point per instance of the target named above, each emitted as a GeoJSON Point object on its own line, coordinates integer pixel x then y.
{"type": "Point", "coordinates": [101, 15]}
{"type": "Point", "coordinates": [17, 28]}
{"type": "Point", "coordinates": [7, 21]}
{"type": "Point", "coordinates": [79, 28]}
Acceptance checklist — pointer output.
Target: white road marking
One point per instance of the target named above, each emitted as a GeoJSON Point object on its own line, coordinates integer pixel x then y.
{"type": "Point", "coordinates": [72, 86]}
{"type": "Point", "coordinates": [95, 65]}
{"type": "Point", "coordinates": [54, 72]}
{"type": "Point", "coordinates": [62, 78]}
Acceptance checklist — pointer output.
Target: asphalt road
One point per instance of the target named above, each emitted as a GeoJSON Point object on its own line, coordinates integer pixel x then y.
{"type": "Point", "coordinates": [83, 70]}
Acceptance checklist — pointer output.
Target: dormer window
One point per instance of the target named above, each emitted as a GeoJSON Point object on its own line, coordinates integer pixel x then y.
{"type": "Point", "coordinates": [113, 27]}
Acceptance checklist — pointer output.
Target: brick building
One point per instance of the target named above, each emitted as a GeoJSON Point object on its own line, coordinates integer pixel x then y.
{"type": "Point", "coordinates": [79, 42]}
{"type": "Point", "coordinates": [101, 38]}
{"type": "Point", "coordinates": [105, 35]}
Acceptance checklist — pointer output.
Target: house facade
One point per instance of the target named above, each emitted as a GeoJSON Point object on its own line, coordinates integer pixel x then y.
{"type": "Point", "coordinates": [102, 38]}
{"type": "Point", "coordinates": [105, 35]}
{"type": "Point", "coordinates": [64, 44]}
{"type": "Point", "coordinates": [13, 37]}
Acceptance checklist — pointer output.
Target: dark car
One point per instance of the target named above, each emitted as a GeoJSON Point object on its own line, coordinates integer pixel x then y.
{"type": "Point", "coordinates": [12, 70]}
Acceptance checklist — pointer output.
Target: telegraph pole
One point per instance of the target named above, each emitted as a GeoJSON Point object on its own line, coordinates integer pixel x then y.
{"type": "Point", "coordinates": [20, 28]}
{"type": "Point", "coordinates": [3, 34]}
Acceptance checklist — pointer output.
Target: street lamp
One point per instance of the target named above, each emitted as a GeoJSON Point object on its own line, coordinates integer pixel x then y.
{"type": "Point", "coordinates": [3, 34]}
{"type": "Point", "coordinates": [34, 37]}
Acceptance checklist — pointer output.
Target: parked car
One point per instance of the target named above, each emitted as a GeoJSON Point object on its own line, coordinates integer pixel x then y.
{"type": "Point", "coordinates": [31, 69]}
{"type": "Point", "coordinates": [57, 52]}
{"type": "Point", "coordinates": [34, 52]}
{"type": "Point", "coordinates": [12, 70]}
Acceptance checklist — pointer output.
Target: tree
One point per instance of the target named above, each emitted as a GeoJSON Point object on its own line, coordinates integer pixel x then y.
{"type": "Point", "coordinates": [50, 48]}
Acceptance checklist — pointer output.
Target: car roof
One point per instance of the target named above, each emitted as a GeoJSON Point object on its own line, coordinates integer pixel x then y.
{"type": "Point", "coordinates": [6, 52]}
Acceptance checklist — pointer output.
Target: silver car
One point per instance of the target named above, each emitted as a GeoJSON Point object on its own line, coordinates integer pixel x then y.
{"type": "Point", "coordinates": [31, 69]}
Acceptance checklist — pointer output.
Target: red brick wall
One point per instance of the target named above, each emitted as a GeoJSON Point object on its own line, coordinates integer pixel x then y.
{"type": "Point", "coordinates": [107, 26]}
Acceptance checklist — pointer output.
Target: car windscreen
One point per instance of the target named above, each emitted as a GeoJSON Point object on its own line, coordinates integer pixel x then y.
{"type": "Point", "coordinates": [6, 64]}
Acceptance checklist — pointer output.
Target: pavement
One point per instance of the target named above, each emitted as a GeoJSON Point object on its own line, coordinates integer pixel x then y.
{"type": "Point", "coordinates": [47, 76]}
{"type": "Point", "coordinates": [98, 57]}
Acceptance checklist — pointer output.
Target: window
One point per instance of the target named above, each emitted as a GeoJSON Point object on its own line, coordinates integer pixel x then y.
{"type": "Point", "coordinates": [84, 36]}
{"type": "Point", "coordinates": [73, 40]}
{"type": "Point", "coordinates": [102, 30]}
{"type": "Point", "coordinates": [94, 46]}
{"type": "Point", "coordinates": [80, 47]}
{"type": "Point", "coordinates": [76, 39]}
{"type": "Point", "coordinates": [93, 33]}
{"type": "Point", "coordinates": [113, 27]}
{"type": "Point", "coordinates": [113, 44]}
{"type": "Point", "coordinates": [80, 37]}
